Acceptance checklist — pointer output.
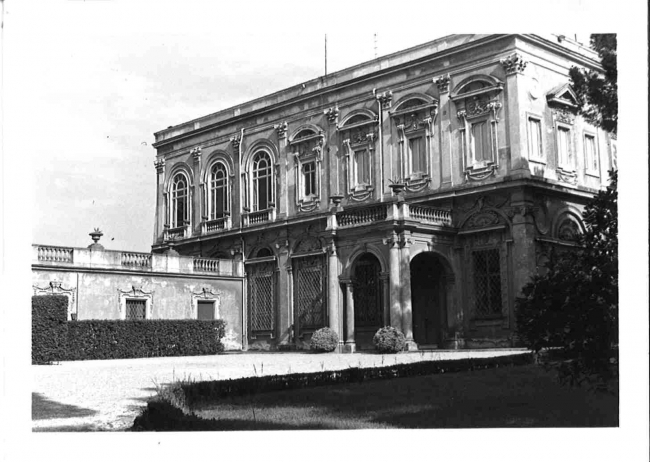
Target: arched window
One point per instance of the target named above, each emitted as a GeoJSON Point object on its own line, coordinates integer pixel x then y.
{"type": "Point", "coordinates": [262, 181]}
{"type": "Point", "coordinates": [179, 210]}
{"type": "Point", "coordinates": [219, 198]}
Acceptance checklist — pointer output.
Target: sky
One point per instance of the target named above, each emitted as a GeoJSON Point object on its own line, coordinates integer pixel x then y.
{"type": "Point", "coordinates": [86, 83]}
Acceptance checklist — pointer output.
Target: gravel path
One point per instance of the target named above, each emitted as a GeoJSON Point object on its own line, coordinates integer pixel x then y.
{"type": "Point", "coordinates": [107, 395]}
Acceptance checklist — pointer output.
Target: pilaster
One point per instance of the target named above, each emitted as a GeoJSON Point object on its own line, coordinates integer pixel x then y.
{"type": "Point", "coordinates": [282, 166]}
{"type": "Point", "coordinates": [197, 193]}
{"type": "Point", "coordinates": [333, 163]}
{"type": "Point", "coordinates": [514, 66]}
{"type": "Point", "coordinates": [445, 144]}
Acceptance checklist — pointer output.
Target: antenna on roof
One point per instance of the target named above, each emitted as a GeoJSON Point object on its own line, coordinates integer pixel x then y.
{"type": "Point", "coordinates": [325, 54]}
{"type": "Point", "coordinates": [375, 44]}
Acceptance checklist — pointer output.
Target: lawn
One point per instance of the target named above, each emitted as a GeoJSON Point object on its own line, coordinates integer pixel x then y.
{"type": "Point", "coordinates": [516, 396]}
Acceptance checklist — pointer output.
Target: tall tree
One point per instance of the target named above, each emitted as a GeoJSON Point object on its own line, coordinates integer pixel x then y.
{"type": "Point", "coordinates": [598, 92]}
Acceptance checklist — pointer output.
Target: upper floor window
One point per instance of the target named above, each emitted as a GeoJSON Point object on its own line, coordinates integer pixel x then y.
{"type": "Point", "coordinates": [535, 138]}
{"type": "Point", "coordinates": [564, 147]}
{"type": "Point", "coordinates": [219, 204]}
{"type": "Point", "coordinates": [413, 119]}
{"type": "Point", "coordinates": [478, 104]}
{"type": "Point", "coordinates": [180, 210]}
{"type": "Point", "coordinates": [591, 154]}
{"type": "Point", "coordinates": [358, 135]}
{"type": "Point", "coordinates": [306, 146]}
{"type": "Point", "coordinates": [262, 181]}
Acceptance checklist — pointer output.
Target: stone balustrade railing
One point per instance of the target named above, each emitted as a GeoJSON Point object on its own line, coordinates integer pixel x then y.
{"type": "Point", "coordinates": [214, 226]}
{"type": "Point", "coordinates": [431, 215]}
{"type": "Point", "coordinates": [262, 216]}
{"type": "Point", "coordinates": [180, 232]}
{"type": "Point", "coordinates": [362, 216]}
{"type": "Point", "coordinates": [137, 260]}
{"type": "Point", "coordinates": [81, 258]}
{"type": "Point", "coordinates": [55, 254]}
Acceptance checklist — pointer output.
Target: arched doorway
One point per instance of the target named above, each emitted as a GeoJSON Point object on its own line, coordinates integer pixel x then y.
{"type": "Point", "coordinates": [428, 299]}
{"type": "Point", "coordinates": [368, 313]}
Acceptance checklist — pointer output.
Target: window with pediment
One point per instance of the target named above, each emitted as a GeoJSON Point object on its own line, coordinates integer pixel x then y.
{"type": "Point", "coordinates": [306, 147]}
{"type": "Point", "coordinates": [564, 105]}
{"type": "Point", "coordinates": [478, 104]}
{"type": "Point", "coordinates": [359, 137]}
{"type": "Point", "coordinates": [413, 119]}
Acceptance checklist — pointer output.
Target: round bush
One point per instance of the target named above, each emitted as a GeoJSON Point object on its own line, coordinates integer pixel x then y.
{"type": "Point", "coordinates": [389, 340]}
{"type": "Point", "coordinates": [324, 340]}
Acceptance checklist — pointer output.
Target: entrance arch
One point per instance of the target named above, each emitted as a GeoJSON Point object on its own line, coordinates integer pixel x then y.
{"type": "Point", "coordinates": [429, 299]}
{"type": "Point", "coordinates": [368, 299]}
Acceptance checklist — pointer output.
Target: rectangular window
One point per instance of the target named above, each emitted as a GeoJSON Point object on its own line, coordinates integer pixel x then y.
{"type": "Point", "coordinates": [418, 159]}
{"type": "Point", "coordinates": [591, 158]}
{"type": "Point", "coordinates": [565, 155]}
{"type": "Point", "coordinates": [309, 175]}
{"type": "Point", "coordinates": [205, 310]}
{"type": "Point", "coordinates": [362, 160]}
{"type": "Point", "coordinates": [487, 282]}
{"type": "Point", "coordinates": [534, 138]}
{"type": "Point", "coordinates": [136, 309]}
{"type": "Point", "coordinates": [481, 142]}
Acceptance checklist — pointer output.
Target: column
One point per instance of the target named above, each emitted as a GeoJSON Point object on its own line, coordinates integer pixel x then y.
{"type": "Point", "coordinates": [160, 200]}
{"type": "Point", "coordinates": [333, 168]}
{"type": "Point", "coordinates": [333, 310]}
{"type": "Point", "coordinates": [514, 66]}
{"type": "Point", "coordinates": [385, 100]}
{"type": "Point", "coordinates": [284, 298]}
{"type": "Point", "coordinates": [196, 195]}
{"type": "Point", "coordinates": [350, 346]}
{"type": "Point", "coordinates": [385, 296]}
{"type": "Point", "coordinates": [407, 310]}
{"type": "Point", "coordinates": [395, 308]}
{"type": "Point", "coordinates": [446, 164]}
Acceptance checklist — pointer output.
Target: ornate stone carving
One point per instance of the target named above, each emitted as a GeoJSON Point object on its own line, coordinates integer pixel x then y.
{"type": "Point", "coordinates": [514, 64]}
{"type": "Point", "coordinates": [281, 130]}
{"type": "Point", "coordinates": [332, 114]}
{"type": "Point", "coordinates": [483, 219]}
{"type": "Point", "coordinates": [236, 141]}
{"type": "Point", "coordinates": [55, 288]}
{"type": "Point", "coordinates": [160, 165]}
{"type": "Point", "coordinates": [462, 114]}
{"type": "Point", "coordinates": [386, 99]}
{"type": "Point", "coordinates": [308, 244]}
{"type": "Point", "coordinates": [566, 176]}
{"type": "Point", "coordinates": [443, 83]}
{"type": "Point", "coordinates": [568, 230]}
{"type": "Point", "coordinates": [196, 154]}
{"type": "Point", "coordinates": [207, 293]}
{"type": "Point", "coordinates": [564, 115]}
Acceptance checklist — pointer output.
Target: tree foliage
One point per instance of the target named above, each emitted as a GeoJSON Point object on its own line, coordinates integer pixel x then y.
{"type": "Point", "coordinates": [572, 309]}
{"type": "Point", "coordinates": [597, 91]}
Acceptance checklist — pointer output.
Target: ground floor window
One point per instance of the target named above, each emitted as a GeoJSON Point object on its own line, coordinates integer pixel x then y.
{"type": "Point", "coordinates": [261, 297]}
{"type": "Point", "coordinates": [136, 309]}
{"type": "Point", "coordinates": [487, 282]}
{"type": "Point", "coordinates": [205, 310]}
{"type": "Point", "coordinates": [309, 292]}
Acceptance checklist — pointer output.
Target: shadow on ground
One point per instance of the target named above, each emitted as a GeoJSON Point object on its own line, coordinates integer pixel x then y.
{"type": "Point", "coordinates": [514, 397]}
{"type": "Point", "coordinates": [45, 409]}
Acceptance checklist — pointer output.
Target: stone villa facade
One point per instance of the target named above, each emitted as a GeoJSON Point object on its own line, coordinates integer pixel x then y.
{"type": "Point", "coordinates": [419, 190]}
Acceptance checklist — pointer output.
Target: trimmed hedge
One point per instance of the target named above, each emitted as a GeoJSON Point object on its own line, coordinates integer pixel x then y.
{"type": "Point", "coordinates": [117, 339]}
{"type": "Point", "coordinates": [324, 340]}
{"type": "Point", "coordinates": [49, 327]}
{"type": "Point", "coordinates": [389, 340]}
{"type": "Point", "coordinates": [195, 391]}
{"type": "Point", "coordinates": [171, 409]}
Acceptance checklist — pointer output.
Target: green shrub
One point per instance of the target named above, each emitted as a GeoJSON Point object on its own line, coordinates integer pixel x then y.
{"type": "Point", "coordinates": [389, 340]}
{"type": "Point", "coordinates": [117, 339]}
{"type": "Point", "coordinates": [49, 328]}
{"type": "Point", "coordinates": [324, 340]}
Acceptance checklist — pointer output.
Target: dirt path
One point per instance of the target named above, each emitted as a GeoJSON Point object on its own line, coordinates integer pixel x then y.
{"type": "Point", "coordinates": [107, 395]}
